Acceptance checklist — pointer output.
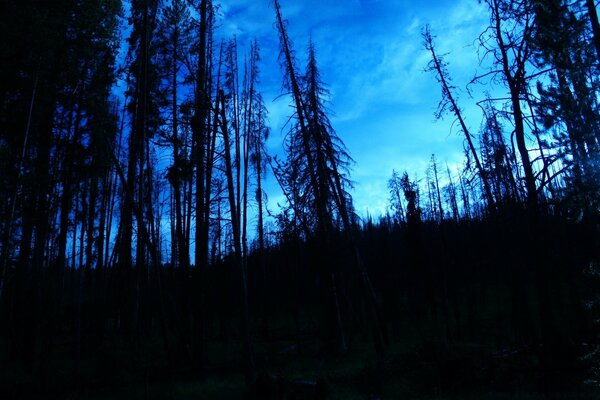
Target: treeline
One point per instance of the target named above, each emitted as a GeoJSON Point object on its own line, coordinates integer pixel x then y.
{"type": "Point", "coordinates": [132, 168]}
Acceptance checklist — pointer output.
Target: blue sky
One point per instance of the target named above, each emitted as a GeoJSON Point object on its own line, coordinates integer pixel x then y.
{"type": "Point", "coordinates": [371, 56]}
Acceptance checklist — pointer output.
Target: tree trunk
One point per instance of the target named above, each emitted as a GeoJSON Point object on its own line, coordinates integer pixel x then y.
{"type": "Point", "coordinates": [515, 82]}
{"type": "Point", "coordinates": [593, 14]}
{"type": "Point", "coordinates": [199, 130]}
{"type": "Point", "coordinates": [248, 352]}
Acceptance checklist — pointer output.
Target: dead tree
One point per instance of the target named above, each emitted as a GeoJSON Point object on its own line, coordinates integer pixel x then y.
{"type": "Point", "coordinates": [448, 102]}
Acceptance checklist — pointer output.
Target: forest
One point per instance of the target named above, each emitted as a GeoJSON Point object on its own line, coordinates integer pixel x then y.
{"type": "Point", "coordinates": [140, 257]}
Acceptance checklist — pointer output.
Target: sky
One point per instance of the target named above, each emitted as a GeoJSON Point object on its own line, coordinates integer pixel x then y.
{"type": "Point", "coordinates": [371, 56]}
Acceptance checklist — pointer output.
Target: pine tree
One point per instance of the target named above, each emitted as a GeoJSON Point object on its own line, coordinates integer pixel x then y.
{"type": "Point", "coordinates": [567, 103]}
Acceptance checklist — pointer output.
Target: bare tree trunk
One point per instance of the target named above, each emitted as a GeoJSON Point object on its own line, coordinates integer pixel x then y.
{"type": "Point", "coordinates": [516, 82]}
{"type": "Point", "coordinates": [211, 133]}
{"type": "Point", "coordinates": [113, 192]}
{"type": "Point", "coordinates": [261, 238]}
{"type": "Point", "coordinates": [105, 195]}
{"type": "Point", "coordinates": [465, 198]}
{"type": "Point", "coordinates": [248, 103]}
{"type": "Point", "coordinates": [437, 189]}
{"type": "Point", "coordinates": [152, 250]}
{"type": "Point", "coordinates": [593, 14]}
{"type": "Point", "coordinates": [182, 248]}
{"type": "Point", "coordinates": [199, 129]}
{"type": "Point", "coordinates": [89, 249]}
{"type": "Point", "coordinates": [248, 352]}
{"type": "Point", "coordinates": [7, 235]}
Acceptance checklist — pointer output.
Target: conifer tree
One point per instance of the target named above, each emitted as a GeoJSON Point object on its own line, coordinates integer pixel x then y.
{"type": "Point", "coordinates": [567, 103]}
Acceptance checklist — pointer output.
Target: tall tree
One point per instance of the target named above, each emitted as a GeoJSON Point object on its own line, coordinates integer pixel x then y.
{"type": "Point", "coordinates": [291, 82]}
{"type": "Point", "coordinates": [507, 44]}
{"type": "Point", "coordinates": [144, 114]}
{"type": "Point", "coordinates": [200, 132]}
{"type": "Point", "coordinates": [567, 98]}
{"type": "Point", "coordinates": [449, 103]}
{"type": "Point", "coordinates": [175, 40]}
{"type": "Point", "coordinates": [593, 16]}
{"type": "Point", "coordinates": [138, 187]}
{"type": "Point", "coordinates": [237, 241]}
{"type": "Point", "coordinates": [317, 160]}
{"type": "Point", "coordinates": [257, 133]}
{"type": "Point", "coordinates": [396, 204]}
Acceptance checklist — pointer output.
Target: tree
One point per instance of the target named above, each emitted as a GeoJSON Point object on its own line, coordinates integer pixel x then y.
{"type": "Point", "coordinates": [200, 132]}
{"type": "Point", "coordinates": [256, 158]}
{"type": "Point", "coordinates": [257, 135]}
{"type": "Point", "coordinates": [411, 194]}
{"type": "Point", "coordinates": [237, 241]}
{"type": "Point", "coordinates": [316, 164]}
{"type": "Point", "coordinates": [496, 159]}
{"type": "Point", "coordinates": [331, 155]}
{"type": "Point", "coordinates": [435, 186]}
{"type": "Point", "coordinates": [302, 136]}
{"type": "Point", "coordinates": [395, 190]}
{"type": "Point", "coordinates": [316, 157]}
{"type": "Point", "coordinates": [506, 42]}
{"type": "Point", "coordinates": [175, 40]}
{"type": "Point", "coordinates": [567, 99]}
{"type": "Point", "coordinates": [448, 102]}
{"type": "Point", "coordinates": [138, 183]}
{"type": "Point", "coordinates": [593, 15]}
{"type": "Point", "coordinates": [144, 112]}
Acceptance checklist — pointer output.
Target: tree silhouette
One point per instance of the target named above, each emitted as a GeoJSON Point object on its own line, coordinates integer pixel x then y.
{"type": "Point", "coordinates": [448, 101]}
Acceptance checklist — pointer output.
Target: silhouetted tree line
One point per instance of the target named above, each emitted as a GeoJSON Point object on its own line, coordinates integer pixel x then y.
{"type": "Point", "coordinates": [132, 173]}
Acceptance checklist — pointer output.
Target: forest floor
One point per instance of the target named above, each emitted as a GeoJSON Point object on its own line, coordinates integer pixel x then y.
{"type": "Point", "coordinates": [296, 368]}
{"type": "Point", "coordinates": [293, 371]}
